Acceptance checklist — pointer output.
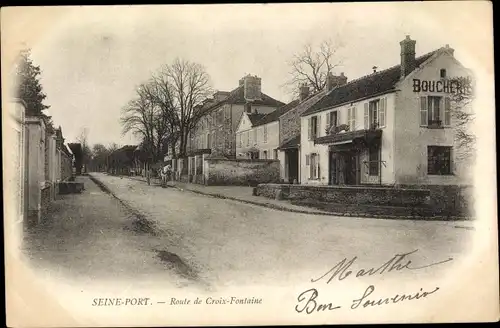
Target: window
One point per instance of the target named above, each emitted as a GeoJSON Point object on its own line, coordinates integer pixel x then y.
{"type": "Point", "coordinates": [313, 127]}
{"type": "Point", "coordinates": [247, 135]}
{"type": "Point", "coordinates": [313, 166]}
{"type": "Point", "coordinates": [331, 120]}
{"type": "Point", "coordinates": [208, 141]}
{"type": "Point", "coordinates": [375, 113]}
{"type": "Point", "coordinates": [264, 154]}
{"type": "Point", "coordinates": [442, 73]}
{"type": "Point", "coordinates": [265, 133]}
{"type": "Point", "coordinates": [351, 118]}
{"type": "Point", "coordinates": [254, 136]}
{"type": "Point", "coordinates": [438, 160]}
{"type": "Point", "coordinates": [374, 160]}
{"type": "Point", "coordinates": [432, 110]}
{"type": "Point", "coordinates": [276, 154]}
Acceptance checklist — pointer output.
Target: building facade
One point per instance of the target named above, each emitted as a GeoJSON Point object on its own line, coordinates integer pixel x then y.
{"type": "Point", "coordinates": [392, 127]}
{"type": "Point", "coordinates": [216, 129]}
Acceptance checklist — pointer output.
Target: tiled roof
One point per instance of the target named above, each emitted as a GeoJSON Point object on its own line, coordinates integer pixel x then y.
{"type": "Point", "coordinates": [275, 115]}
{"type": "Point", "coordinates": [255, 117]}
{"type": "Point", "coordinates": [366, 86]}
{"type": "Point", "coordinates": [237, 96]}
{"type": "Point", "coordinates": [291, 143]}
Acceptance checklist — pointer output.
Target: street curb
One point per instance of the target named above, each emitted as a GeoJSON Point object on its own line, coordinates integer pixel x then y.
{"type": "Point", "coordinates": [355, 215]}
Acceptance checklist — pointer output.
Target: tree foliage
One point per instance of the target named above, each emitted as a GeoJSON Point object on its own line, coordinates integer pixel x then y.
{"type": "Point", "coordinates": [463, 117]}
{"type": "Point", "coordinates": [29, 88]}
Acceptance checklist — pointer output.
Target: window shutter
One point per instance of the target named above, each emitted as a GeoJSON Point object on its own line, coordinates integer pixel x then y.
{"type": "Point", "coordinates": [318, 125]}
{"type": "Point", "coordinates": [328, 118]}
{"type": "Point", "coordinates": [367, 117]}
{"type": "Point", "coordinates": [382, 112]}
{"type": "Point", "coordinates": [447, 111]}
{"type": "Point", "coordinates": [353, 113]}
{"type": "Point", "coordinates": [338, 117]}
{"type": "Point", "coordinates": [307, 159]}
{"type": "Point", "coordinates": [309, 125]}
{"type": "Point", "coordinates": [317, 166]}
{"type": "Point", "coordinates": [423, 111]}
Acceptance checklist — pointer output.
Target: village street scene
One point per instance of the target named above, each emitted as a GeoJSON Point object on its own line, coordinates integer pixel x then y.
{"type": "Point", "coordinates": [202, 177]}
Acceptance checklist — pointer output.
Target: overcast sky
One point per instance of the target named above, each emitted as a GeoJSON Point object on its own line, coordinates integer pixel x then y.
{"type": "Point", "coordinates": [92, 58]}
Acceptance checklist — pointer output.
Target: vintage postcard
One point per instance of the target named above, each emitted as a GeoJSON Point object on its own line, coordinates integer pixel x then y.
{"type": "Point", "coordinates": [249, 164]}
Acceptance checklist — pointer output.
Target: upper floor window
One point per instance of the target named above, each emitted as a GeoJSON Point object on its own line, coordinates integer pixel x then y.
{"type": "Point", "coordinates": [313, 127]}
{"type": "Point", "coordinates": [332, 120]}
{"type": "Point", "coordinates": [375, 113]}
{"type": "Point", "coordinates": [435, 111]}
{"type": "Point", "coordinates": [264, 154]}
{"type": "Point", "coordinates": [247, 135]}
{"type": "Point", "coordinates": [442, 73]}
{"type": "Point", "coordinates": [438, 160]}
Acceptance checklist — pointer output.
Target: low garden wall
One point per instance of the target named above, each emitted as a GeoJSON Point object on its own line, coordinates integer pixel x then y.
{"type": "Point", "coordinates": [242, 172]}
{"type": "Point", "coordinates": [346, 194]}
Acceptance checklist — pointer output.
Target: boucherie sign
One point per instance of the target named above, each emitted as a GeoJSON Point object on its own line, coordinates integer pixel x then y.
{"type": "Point", "coordinates": [461, 85]}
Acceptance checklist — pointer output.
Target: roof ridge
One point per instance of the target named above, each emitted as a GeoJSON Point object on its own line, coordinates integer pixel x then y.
{"type": "Point", "coordinates": [382, 71]}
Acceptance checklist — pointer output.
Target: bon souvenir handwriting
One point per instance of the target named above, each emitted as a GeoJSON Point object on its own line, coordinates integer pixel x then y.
{"type": "Point", "coordinates": [309, 301]}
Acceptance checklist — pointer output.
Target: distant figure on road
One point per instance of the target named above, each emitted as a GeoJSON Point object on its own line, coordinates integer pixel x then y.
{"type": "Point", "coordinates": [165, 175]}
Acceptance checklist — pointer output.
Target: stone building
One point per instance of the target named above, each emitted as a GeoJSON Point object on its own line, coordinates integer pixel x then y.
{"type": "Point", "coordinates": [391, 127]}
{"type": "Point", "coordinates": [214, 135]}
{"type": "Point", "coordinates": [216, 129]}
{"type": "Point", "coordinates": [289, 128]}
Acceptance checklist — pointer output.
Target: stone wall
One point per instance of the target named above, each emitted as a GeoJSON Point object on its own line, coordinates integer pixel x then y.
{"type": "Point", "coordinates": [450, 199]}
{"type": "Point", "coordinates": [289, 125]}
{"type": "Point", "coordinates": [241, 172]}
{"type": "Point", "coordinates": [46, 199]}
{"type": "Point", "coordinates": [386, 196]}
{"type": "Point", "coordinates": [66, 166]}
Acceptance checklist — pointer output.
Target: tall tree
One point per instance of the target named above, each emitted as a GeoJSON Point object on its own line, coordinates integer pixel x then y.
{"type": "Point", "coordinates": [312, 65]}
{"type": "Point", "coordinates": [29, 88]}
{"type": "Point", "coordinates": [86, 151]}
{"type": "Point", "coordinates": [165, 109]}
{"type": "Point", "coordinates": [140, 117]}
{"type": "Point", "coordinates": [184, 85]}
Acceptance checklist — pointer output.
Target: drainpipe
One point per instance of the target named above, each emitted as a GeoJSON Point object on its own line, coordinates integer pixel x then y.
{"type": "Point", "coordinates": [380, 164]}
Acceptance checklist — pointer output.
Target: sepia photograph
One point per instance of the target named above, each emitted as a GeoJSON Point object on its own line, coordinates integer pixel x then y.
{"type": "Point", "coordinates": [249, 164]}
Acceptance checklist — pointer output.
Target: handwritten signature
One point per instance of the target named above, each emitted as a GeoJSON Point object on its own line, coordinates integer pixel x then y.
{"type": "Point", "coordinates": [398, 262]}
{"type": "Point", "coordinates": [308, 300]}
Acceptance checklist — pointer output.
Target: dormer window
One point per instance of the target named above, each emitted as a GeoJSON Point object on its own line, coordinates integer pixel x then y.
{"type": "Point", "coordinates": [442, 73]}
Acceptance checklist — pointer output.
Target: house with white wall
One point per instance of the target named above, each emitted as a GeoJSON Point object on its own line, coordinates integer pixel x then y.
{"type": "Point", "coordinates": [257, 135]}
{"type": "Point", "coordinates": [391, 127]}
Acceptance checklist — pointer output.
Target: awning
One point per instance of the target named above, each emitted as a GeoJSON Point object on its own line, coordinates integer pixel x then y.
{"type": "Point", "coordinates": [356, 137]}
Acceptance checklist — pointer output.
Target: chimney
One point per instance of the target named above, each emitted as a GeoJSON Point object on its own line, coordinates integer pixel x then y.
{"type": "Point", "coordinates": [304, 92]}
{"type": "Point", "coordinates": [451, 51]}
{"type": "Point", "coordinates": [333, 81]}
{"type": "Point", "coordinates": [251, 87]}
{"type": "Point", "coordinates": [329, 81]}
{"type": "Point", "coordinates": [407, 56]}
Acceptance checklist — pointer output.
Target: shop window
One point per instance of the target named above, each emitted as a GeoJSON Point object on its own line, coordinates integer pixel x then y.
{"type": "Point", "coordinates": [438, 160]}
